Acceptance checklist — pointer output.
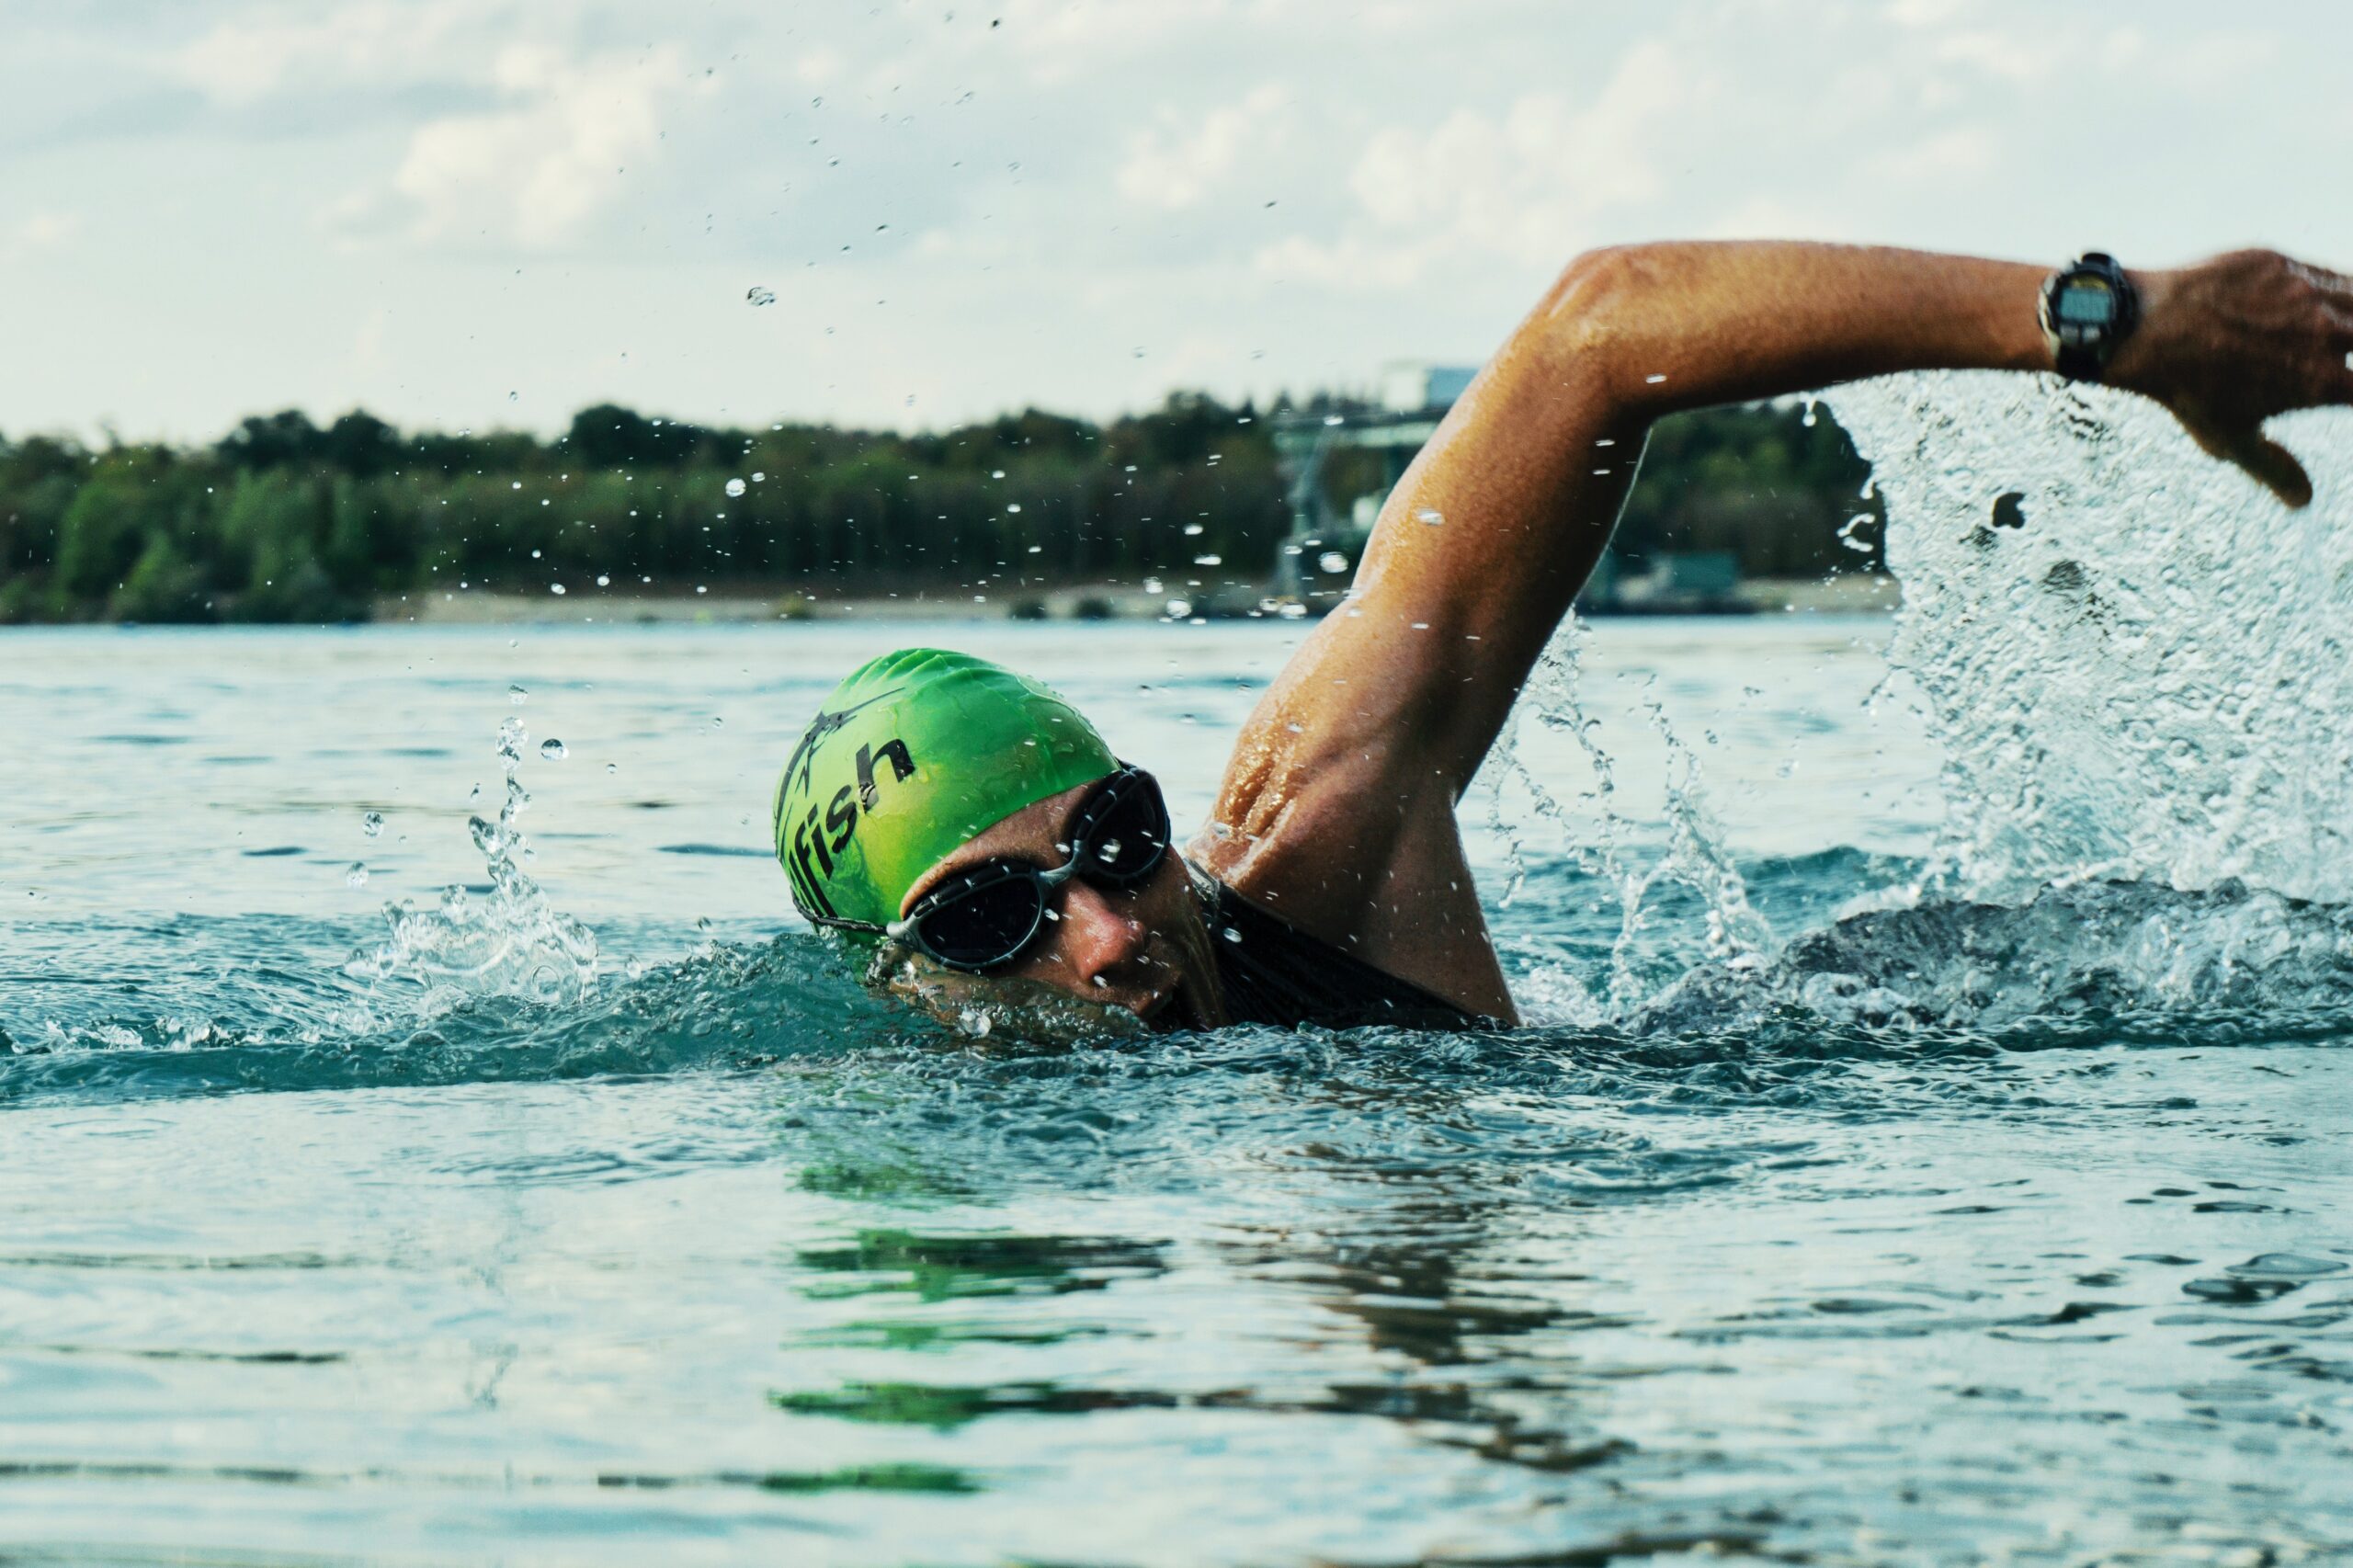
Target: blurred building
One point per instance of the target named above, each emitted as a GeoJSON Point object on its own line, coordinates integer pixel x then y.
{"type": "Point", "coordinates": [1338, 468]}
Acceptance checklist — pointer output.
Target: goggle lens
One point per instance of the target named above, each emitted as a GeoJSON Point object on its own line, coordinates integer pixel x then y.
{"type": "Point", "coordinates": [985, 924]}
{"type": "Point", "coordinates": [984, 917]}
{"type": "Point", "coordinates": [1122, 831]}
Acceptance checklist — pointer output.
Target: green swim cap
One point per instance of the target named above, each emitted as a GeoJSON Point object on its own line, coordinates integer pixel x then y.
{"type": "Point", "coordinates": [910, 757]}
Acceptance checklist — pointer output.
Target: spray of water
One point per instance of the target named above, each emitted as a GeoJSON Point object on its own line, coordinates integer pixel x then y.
{"type": "Point", "coordinates": [512, 944]}
{"type": "Point", "coordinates": [2132, 662]}
{"type": "Point", "coordinates": [1695, 858]}
{"type": "Point", "coordinates": [2133, 659]}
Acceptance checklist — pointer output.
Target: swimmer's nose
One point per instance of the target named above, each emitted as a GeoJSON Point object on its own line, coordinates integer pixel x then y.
{"type": "Point", "coordinates": [1099, 938]}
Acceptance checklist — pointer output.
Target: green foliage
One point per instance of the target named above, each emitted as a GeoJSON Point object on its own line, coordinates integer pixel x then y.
{"type": "Point", "coordinates": [1771, 484]}
{"type": "Point", "coordinates": [284, 520]}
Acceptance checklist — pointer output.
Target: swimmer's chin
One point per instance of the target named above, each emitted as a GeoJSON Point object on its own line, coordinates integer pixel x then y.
{"type": "Point", "coordinates": [993, 1008]}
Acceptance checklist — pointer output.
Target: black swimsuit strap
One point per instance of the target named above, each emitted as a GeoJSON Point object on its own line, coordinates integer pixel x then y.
{"type": "Point", "coordinates": [1272, 973]}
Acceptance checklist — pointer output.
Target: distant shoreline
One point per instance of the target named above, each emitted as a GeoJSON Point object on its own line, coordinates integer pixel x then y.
{"type": "Point", "coordinates": [1847, 594]}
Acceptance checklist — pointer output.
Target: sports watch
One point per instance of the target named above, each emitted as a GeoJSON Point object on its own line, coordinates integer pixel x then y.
{"type": "Point", "coordinates": [2089, 308]}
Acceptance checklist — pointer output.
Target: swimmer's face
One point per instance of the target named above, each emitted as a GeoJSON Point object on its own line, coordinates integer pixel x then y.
{"type": "Point", "coordinates": [1144, 950]}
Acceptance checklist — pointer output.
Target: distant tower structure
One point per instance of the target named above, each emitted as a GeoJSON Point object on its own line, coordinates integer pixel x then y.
{"type": "Point", "coordinates": [1319, 555]}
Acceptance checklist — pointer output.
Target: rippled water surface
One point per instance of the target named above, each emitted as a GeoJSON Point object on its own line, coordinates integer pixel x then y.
{"type": "Point", "coordinates": [1855, 1195]}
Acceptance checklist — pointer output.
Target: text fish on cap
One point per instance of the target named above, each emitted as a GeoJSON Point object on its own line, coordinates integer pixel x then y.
{"type": "Point", "coordinates": [914, 754]}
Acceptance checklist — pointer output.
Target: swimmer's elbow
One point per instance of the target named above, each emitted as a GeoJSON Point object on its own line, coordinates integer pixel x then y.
{"type": "Point", "coordinates": [1589, 326]}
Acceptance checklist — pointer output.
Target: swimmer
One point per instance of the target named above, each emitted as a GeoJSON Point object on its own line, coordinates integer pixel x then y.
{"type": "Point", "coordinates": [975, 828]}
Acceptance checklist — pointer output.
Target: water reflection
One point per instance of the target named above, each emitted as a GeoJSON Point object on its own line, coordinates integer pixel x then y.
{"type": "Point", "coordinates": [1398, 1319]}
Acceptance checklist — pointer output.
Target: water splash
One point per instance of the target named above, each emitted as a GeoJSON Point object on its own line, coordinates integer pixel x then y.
{"type": "Point", "coordinates": [2134, 666]}
{"type": "Point", "coordinates": [1736, 936]}
{"type": "Point", "coordinates": [2217, 964]}
{"type": "Point", "coordinates": [514, 944]}
{"type": "Point", "coordinates": [2133, 662]}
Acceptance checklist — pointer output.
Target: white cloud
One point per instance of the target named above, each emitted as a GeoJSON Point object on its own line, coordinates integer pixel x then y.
{"type": "Point", "coordinates": [994, 215]}
{"type": "Point", "coordinates": [1955, 153]}
{"type": "Point", "coordinates": [1769, 217]}
{"type": "Point", "coordinates": [1523, 185]}
{"type": "Point", "coordinates": [2013, 57]}
{"type": "Point", "coordinates": [1927, 12]}
{"type": "Point", "coordinates": [1175, 165]}
{"type": "Point", "coordinates": [36, 232]}
{"type": "Point", "coordinates": [43, 229]}
{"type": "Point", "coordinates": [534, 172]}
{"type": "Point", "coordinates": [272, 50]}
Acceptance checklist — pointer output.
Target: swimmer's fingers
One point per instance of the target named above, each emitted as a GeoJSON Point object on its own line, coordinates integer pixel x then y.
{"type": "Point", "coordinates": [2232, 342]}
{"type": "Point", "coordinates": [2275, 468]}
{"type": "Point", "coordinates": [2270, 464]}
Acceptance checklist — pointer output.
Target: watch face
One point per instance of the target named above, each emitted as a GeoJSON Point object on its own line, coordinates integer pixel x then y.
{"type": "Point", "coordinates": [2086, 303]}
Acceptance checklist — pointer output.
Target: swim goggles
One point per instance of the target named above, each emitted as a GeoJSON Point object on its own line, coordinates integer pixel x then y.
{"type": "Point", "coordinates": [988, 915]}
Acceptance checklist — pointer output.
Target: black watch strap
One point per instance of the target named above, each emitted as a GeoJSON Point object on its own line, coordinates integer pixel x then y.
{"type": "Point", "coordinates": [2079, 362]}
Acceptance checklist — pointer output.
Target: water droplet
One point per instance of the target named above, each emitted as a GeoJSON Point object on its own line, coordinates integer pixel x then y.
{"type": "Point", "coordinates": [1152, 584]}
{"type": "Point", "coordinates": [1208, 561]}
{"type": "Point", "coordinates": [1331, 419]}
{"type": "Point", "coordinates": [1431, 516]}
{"type": "Point", "coordinates": [734, 487]}
{"type": "Point", "coordinates": [612, 768]}
{"type": "Point", "coordinates": [1231, 935]}
{"type": "Point", "coordinates": [1179, 608]}
{"type": "Point", "coordinates": [1332, 561]}
{"type": "Point", "coordinates": [758, 296]}
{"type": "Point", "coordinates": [518, 696]}
{"type": "Point", "coordinates": [555, 588]}
{"type": "Point", "coordinates": [603, 581]}
{"type": "Point", "coordinates": [1013, 506]}
{"type": "Point", "coordinates": [513, 397]}
{"type": "Point", "coordinates": [718, 724]}
{"type": "Point", "coordinates": [357, 875]}
{"type": "Point", "coordinates": [553, 750]}
{"type": "Point", "coordinates": [372, 824]}
{"type": "Point", "coordinates": [974, 1022]}
{"type": "Point", "coordinates": [1192, 530]}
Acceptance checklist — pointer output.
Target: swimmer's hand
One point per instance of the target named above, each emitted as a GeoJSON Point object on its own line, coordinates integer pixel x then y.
{"type": "Point", "coordinates": [2231, 342]}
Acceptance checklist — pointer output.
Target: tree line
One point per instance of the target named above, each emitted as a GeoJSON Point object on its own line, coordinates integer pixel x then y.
{"type": "Point", "coordinates": [285, 520]}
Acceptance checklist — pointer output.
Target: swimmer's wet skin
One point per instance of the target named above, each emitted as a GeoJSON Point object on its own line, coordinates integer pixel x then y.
{"type": "Point", "coordinates": [978, 822]}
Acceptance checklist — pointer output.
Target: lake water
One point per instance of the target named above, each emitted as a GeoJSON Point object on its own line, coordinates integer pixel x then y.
{"type": "Point", "coordinates": [1923, 1148]}
{"type": "Point", "coordinates": [715, 1257]}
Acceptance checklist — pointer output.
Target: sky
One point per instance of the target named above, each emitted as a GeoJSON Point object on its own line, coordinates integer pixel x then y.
{"type": "Point", "coordinates": [473, 213]}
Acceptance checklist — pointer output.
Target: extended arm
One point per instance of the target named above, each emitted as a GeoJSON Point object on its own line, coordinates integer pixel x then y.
{"type": "Point", "coordinates": [1338, 803]}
